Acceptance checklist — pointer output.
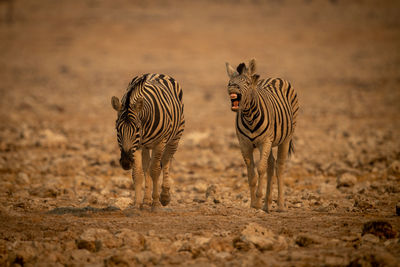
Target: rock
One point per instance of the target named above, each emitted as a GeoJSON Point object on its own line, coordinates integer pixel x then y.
{"type": "Point", "coordinates": [135, 241]}
{"type": "Point", "coordinates": [49, 139]}
{"type": "Point", "coordinates": [93, 239]}
{"type": "Point", "coordinates": [326, 207]}
{"type": "Point", "coordinates": [363, 204]}
{"type": "Point", "coordinates": [346, 180]}
{"type": "Point", "coordinates": [382, 229]}
{"type": "Point", "coordinates": [200, 187]}
{"type": "Point", "coordinates": [201, 241]}
{"type": "Point", "coordinates": [123, 257]}
{"type": "Point", "coordinates": [306, 240]}
{"type": "Point", "coordinates": [394, 168]}
{"type": "Point", "coordinates": [370, 238]}
{"type": "Point", "coordinates": [374, 258]}
{"type": "Point", "coordinates": [262, 238]}
{"type": "Point", "coordinates": [22, 178]}
{"type": "Point", "coordinates": [211, 191]}
{"type": "Point", "coordinates": [46, 191]}
{"type": "Point", "coordinates": [123, 202]}
{"type": "Point", "coordinates": [116, 260]}
{"type": "Point", "coordinates": [80, 255]}
{"type": "Point", "coordinates": [221, 244]}
{"type": "Point", "coordinates": [23, 254]}
{"type": "Point", "coordinates": [195, 138]}
{"type": "Point", "coordinates": [158, 246]}
{"type": "Point", "coordinates": [123, 182]}
{"type": "Point", "coordinates": [147, 257]}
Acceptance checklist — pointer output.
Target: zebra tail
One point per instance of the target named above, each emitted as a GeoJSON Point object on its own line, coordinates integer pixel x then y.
{"type": "Point", "coordinates": [291, 148]}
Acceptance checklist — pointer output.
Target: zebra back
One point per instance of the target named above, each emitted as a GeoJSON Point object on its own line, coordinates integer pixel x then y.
{"type": "Point", "coordinates": [273, 113]}
{"type": "Point", "coordinates": [162, 114]}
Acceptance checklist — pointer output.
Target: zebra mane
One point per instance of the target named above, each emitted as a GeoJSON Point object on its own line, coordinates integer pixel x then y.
{"type": "Point", "coordinates": [240, 68]}
{"type": "Point", "coordinates": [137, 82]}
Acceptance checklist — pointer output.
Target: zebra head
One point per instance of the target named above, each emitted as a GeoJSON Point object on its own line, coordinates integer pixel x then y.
{"type": "Point", "coordinates": [128, 127]}
{"type": "Point", "coordinates": [240, 83]}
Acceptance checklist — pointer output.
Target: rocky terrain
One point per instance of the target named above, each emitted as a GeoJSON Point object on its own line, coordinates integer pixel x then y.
{"type": "Point", "coordinates": [64, 199]}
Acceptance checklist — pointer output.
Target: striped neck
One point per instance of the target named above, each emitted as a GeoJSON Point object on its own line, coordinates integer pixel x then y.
{"type": "Point", "coordinates": [251, 112]}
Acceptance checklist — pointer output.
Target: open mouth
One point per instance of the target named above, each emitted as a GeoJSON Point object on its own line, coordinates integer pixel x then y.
{"type": "Point", "coordinates": [235, 100]}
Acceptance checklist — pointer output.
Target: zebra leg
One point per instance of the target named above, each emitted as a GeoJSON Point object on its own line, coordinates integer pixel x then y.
{"type": "Point", "coordinates": [265, 151]}
{"type": "Point", "coordinates": [170, 150]}
{"type": "Point", "coordinates": [247, 153]}
{"type": "Point", "coordinates": [148, 182]}
{"type": "Point", "coordinates": [282, 155]}
{"type": "Point", "coordinates": [270, 174]}
{"type": "Point", "coordinates": [165, 196]}
{"type": "Point", "coordinates": [155, 170]}
{"type": "Point", "coordinates": [137, 176]}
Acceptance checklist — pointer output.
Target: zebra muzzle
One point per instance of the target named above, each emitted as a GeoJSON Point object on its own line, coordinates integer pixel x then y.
{"type": "Point", "coordinates": [235, 100]}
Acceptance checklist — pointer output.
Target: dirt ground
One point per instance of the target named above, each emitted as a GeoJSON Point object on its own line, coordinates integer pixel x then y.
{"type": "Point", "coordinates": [64, 199]}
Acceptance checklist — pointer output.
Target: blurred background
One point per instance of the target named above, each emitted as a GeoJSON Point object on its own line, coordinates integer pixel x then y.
{"type": "Point", "coordinates": [62, 61]}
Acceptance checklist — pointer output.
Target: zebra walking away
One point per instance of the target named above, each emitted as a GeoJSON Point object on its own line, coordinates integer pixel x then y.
{"type": "Point", "coordinates": [150, 117]}
{"type": "Point", "coordinates": [266, 117]}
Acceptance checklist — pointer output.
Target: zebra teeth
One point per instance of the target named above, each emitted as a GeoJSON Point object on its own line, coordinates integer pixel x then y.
{"type": "Point", "coordinates": [235, 100]}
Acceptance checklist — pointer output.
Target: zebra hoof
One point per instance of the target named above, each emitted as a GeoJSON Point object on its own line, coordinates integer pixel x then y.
{"type": "Point", "coordinates": [145, 206]}
{"type": "Point", "coordinates": [266, 209]}
{"type": "Point", "coordinates": [281, 209]}
{"type": "Point", "coordinates": [156, 206]}
{"type": "Point", "coordinates": [256, 205]}
{"type": "Point", "coordinates": [165, 198]}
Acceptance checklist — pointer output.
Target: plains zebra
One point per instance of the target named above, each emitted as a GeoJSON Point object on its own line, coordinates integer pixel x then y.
{"type": "Point", "coordinates": [266, 117]}
{"type": "Point", "coordinates": [150, 117]}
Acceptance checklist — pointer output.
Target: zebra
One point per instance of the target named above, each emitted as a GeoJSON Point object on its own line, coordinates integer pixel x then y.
{"type": "Point", "coordinates": [266, 117]}
{"type": "Point", "coordinates": [150, 117]}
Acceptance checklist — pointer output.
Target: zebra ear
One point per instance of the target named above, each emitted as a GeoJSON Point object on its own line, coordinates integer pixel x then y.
{"type": "Point", "coordinates": [254, 79]}
{"type": "Point", "coordinates": [231, 71]}
{"type": "Point", "coordinates": [252, 66]}
{"type": "Point", "coordinates": [138, 106]}
{"type": "Point", "coordinates": [115, 103]}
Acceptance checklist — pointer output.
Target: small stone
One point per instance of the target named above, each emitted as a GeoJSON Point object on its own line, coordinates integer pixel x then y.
{"type": "Point", "coordinates": [381, 229]}
{"type": "Point", "coordinates": [80, 255]}
{"type": "Point", "coordinates": [158, 246]}
{"type": "Point", "coordinates": [131, 239]}
{"type": "Point", "coordinates": [374, 258]}
{"type": "Point", "coordinates": [346, 180]}
{"type": "Point", "coordinates": [211, 191]}
{"type": "Point", "coordinates": [122, 182]}
{"type": "Point", "coordinates": [370, 238]}
{"type": "Point", "coordinates": [362, 204]}
{"type": "Point", "coordinates": [198, 200]}
{"type": "Point", "coordinates": [147, 257]}
{"type": "Point", "coordinates": [262, 238]}
{"type": "Point", "coordinates": [49, 139]}
{"type": "Point", "coordinates": [200, 187]}
{"type": "Point", "coordinates": [22, 178]}
{"type": "Point", "coordinates": [306, 240]}
{"type": "Point", "coordinates": [93, 239]}
{"type": "Point", "coordinates": [394, 168]}
{"type": "Point", "coordinates": [123, 202]}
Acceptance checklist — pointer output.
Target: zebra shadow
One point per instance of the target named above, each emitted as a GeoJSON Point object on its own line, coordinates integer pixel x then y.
{"type": "Point", "coordinates": [82, 212]}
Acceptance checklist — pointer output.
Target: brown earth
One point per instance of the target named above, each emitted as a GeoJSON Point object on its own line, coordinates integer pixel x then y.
{"type": "Point", "coordinates": [65, 199]}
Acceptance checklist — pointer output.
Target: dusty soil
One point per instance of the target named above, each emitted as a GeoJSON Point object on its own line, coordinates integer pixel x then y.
{"type": "Point", "coordinates": [66, 201]}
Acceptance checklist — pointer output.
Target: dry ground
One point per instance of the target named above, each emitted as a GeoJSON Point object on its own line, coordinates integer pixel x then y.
{"type": "Point", "coordinates": [65, 201]}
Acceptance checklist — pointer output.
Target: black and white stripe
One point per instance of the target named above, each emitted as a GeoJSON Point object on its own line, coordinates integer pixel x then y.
{"type": "Point", "coordinates": [161, 117]}
{"type": "Point", "coordinates": [150, 117]}
{"type": "Point", "coordinates": [266, 117]}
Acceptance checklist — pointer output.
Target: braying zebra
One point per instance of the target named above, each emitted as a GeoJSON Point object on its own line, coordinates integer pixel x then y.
{"type": "Point", "coordinates": [266, 117]}
{"type": "Point", "coordinates": [150, 117]}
